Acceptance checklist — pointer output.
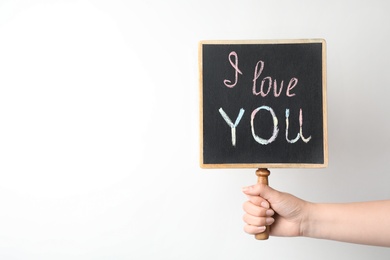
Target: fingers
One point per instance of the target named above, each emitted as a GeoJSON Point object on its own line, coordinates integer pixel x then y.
{"type": "Point", "coordinates": [254, 190]}
{"type": "Point", "coordinates": [258, 201]}
{"type": "Point", "coordinates": [256, 225]}
{"type": "Point", "coordinates": [257, 216]}
{"type": "Point", "coordinates": [258, 221]}
{"type": "Point", "coordinates": [257, 211]}
{"type": "Point", "coordinates": [254, 229]}
{"type": "Point", "coordinates": [261, 190]}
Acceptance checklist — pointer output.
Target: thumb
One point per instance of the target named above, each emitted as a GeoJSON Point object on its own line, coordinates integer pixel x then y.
{"type": "Point", "coordinates": [261, 190]}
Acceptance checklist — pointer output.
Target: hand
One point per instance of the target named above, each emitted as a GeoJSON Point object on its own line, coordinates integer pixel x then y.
{"type": "Point", "coordinates": [267, 206]}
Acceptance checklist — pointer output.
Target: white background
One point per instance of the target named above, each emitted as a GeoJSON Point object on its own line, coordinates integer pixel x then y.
{"type": "Point", "coordinates": [99, 127]}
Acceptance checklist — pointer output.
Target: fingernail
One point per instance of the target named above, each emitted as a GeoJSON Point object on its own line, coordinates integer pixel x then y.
{"type": "Point", "coordinates": [269, 221]}
{"type": "Point", "coordinates": [269, 212]}
{"type": "Point", "coordinates": [265, 204]}
{"type": "Point", "coordinates": [260, 229]}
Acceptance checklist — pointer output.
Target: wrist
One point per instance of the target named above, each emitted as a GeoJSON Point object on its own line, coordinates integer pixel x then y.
{"type": "Point", "coordinates": [307, 226]}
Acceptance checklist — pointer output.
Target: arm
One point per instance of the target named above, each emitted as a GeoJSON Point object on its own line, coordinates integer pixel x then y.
{"type": "Point", "coordinates": [363, 222]}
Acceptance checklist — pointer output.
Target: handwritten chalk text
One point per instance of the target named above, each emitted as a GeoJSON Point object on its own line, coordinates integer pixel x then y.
{"type": "Point", "coordinates": [275, 132]}
{"type": "Point", "coordinates": [258, 70]}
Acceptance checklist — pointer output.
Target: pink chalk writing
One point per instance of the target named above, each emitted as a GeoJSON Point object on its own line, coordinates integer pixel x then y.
{"type": "Point", "coordinates": [228, 83]}
{"type": "Point", "coordinates": [258, 70]}
{"type": "Point", "coordinates": [265, 89]}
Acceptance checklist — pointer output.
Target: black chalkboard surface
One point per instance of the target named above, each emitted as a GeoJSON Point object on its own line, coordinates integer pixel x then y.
{"type": "Point", "coordinates": [263, 104]}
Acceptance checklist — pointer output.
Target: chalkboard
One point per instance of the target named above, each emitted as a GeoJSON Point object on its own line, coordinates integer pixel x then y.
{"type": "Point", "coordinates": [263, 104]}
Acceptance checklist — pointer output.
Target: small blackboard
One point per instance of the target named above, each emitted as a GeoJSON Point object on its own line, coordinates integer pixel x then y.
{"type": "Point", "coordinates": [263, 104]}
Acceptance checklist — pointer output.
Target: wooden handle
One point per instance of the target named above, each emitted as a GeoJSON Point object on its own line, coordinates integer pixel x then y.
{"type": "Point", "coordinates": [262, 175]}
